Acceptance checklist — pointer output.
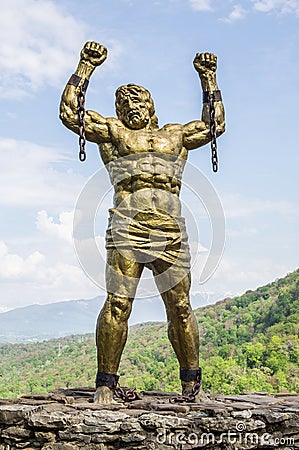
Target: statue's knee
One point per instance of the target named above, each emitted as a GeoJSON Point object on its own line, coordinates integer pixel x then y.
{"type": "Point", "coordinates": [120, 307]}
{"type": "Point", "coordinates": [181, 309]}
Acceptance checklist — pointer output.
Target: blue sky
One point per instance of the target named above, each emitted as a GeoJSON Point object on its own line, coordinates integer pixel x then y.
{"type": "Point", "coordinates": [151, 43]}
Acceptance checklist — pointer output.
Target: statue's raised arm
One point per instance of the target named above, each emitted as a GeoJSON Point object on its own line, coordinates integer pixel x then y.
{"type": "Point", "coordinates": [96, 127]}
{"type": "Point", "coordinates": [197, 133]}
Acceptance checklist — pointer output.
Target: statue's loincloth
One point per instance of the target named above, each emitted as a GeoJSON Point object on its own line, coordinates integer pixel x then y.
{"type": "Point", "coordinates": [149, 237]}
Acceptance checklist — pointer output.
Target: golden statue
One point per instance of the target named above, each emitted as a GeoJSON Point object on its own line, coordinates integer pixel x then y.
{"type": "Point", "coordinates": [145, 164]}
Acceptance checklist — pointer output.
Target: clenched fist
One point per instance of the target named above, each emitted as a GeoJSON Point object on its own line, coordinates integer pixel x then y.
{"type": "Point", "coordinates": [205, 63]}
{"type": "Point", "coordinates": [94, 53]}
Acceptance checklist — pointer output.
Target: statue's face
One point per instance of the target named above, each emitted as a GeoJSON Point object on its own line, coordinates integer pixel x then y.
{"type": "Point", "coordinates": [134, 106]}
{"type": "Point", "coordinates": [133, 109]}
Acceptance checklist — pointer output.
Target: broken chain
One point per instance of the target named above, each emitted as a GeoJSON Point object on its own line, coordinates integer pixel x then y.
{"type": "Point", "coordinates": [188, 398]}
{"type": "Point", "coordinates": [126, 394]}
{"type": "Point", "coordinates": [81, 112]}
{"type": "Point", "coordinates": [213, 133]}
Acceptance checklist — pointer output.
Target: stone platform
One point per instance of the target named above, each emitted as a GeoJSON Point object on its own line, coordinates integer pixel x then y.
{"type": "Point", "coordinates": [68, 420]}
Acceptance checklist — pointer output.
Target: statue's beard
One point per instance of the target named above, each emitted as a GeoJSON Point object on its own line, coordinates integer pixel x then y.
{"type": "Point", "coordinates": [136, 119]}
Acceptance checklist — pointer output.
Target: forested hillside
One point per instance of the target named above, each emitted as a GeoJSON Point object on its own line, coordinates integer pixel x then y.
{"type": "Point", "coordinates": [247, 343]}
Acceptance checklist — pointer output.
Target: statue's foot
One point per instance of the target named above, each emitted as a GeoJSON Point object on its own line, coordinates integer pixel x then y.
{"type": "Point", "coordinates": [200, 397]}
{"type": "Point", "coordinates": [103, 396]}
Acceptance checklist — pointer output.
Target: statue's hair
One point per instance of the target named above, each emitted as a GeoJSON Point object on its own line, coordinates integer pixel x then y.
{"type": "Point", "coordinates": [128, 89]}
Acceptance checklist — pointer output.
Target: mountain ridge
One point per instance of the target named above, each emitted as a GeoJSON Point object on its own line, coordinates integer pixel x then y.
{"type": "Point", "coordinates": [53, 320]}
{"type": "Point", "coordinates": [38, 322]}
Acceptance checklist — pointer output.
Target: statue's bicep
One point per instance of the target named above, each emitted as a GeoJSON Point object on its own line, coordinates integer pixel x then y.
{"type": "Point", "coordinates": [195, 134]}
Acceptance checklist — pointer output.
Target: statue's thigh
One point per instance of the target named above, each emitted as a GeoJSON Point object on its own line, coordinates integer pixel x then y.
{"type": "Point", "coordinates": [172, 280]}
{"type": "Point", "coordinates": [122, 273]}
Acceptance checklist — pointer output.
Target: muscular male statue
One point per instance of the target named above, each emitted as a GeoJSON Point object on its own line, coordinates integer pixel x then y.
{"type": "Point", "coordinates": [145, 164]}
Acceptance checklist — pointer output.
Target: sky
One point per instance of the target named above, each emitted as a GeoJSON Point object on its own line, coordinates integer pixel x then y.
{"type": "Point", "coordinates": [151, 43]}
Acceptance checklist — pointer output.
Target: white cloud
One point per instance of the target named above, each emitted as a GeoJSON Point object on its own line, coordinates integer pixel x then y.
{"type": "Point", "coordinates": [237, 13]}
{"type": "Point", "coordinates": [28, 177]}
{"type": "Point", "coordinates": [242, 232]}
{"type": "Point", "coordinates": [236, 205]}
{"type": "Point", "coordinates": [37, 278]}
{"type": "Point", "coordinates": [241, 9]}
{"type": "Point", "coordinates": [39, 44]}
{"type": "Point", "coordinates": [280, 6]}
{"type": "Point", "coordinates": [14, 266]}
{"type": "Point", "coordinates": [61, 230]}
{"type": "Point", "coordinates": [201, 5]}
{"type": "Point", "coordinates": [39, 266]}
{"type": "Point", "coordinates": [236, 274]}
{"type": "Point", "coordinates": [45, 267]}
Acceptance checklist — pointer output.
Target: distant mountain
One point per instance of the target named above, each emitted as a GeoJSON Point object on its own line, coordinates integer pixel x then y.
{"type": "Point", "coordinates": [39, 322]}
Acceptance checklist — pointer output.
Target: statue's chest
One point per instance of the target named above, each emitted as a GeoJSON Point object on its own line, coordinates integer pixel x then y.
{"type": "Point", "coordinates": [133, 142]}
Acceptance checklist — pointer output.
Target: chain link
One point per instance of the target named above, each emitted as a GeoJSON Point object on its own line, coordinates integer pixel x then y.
{"type": "Point", "coordinates": [126, 394]}
{"type": "Point", "coordinates": [188, 398]}
{"type": "Point", "coordinates": [81, 112]}
{"type": "Point", "coordinates": [213, 133]}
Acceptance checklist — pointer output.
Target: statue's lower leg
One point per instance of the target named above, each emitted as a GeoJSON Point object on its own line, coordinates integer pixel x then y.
{"type": "Point", "coordinates": [192, 385]}
{"type": "Point", "coordinates": [105, 385]}
{"type": "Point", "coordinates": [184, 337]}
{"type": "Point", "coordinates": [111, 335]}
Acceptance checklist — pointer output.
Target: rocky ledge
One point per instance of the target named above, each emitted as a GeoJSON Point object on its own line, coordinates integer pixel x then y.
{"type": "Point", "coordinates": [68, 420]}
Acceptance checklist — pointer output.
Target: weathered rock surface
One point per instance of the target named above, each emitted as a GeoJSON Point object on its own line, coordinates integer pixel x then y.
{"type": "Point", "coordinates": [68, 420]}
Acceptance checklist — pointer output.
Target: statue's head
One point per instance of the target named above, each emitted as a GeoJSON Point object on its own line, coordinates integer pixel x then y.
{"type": "Point", "coordinates": [134, 106]}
